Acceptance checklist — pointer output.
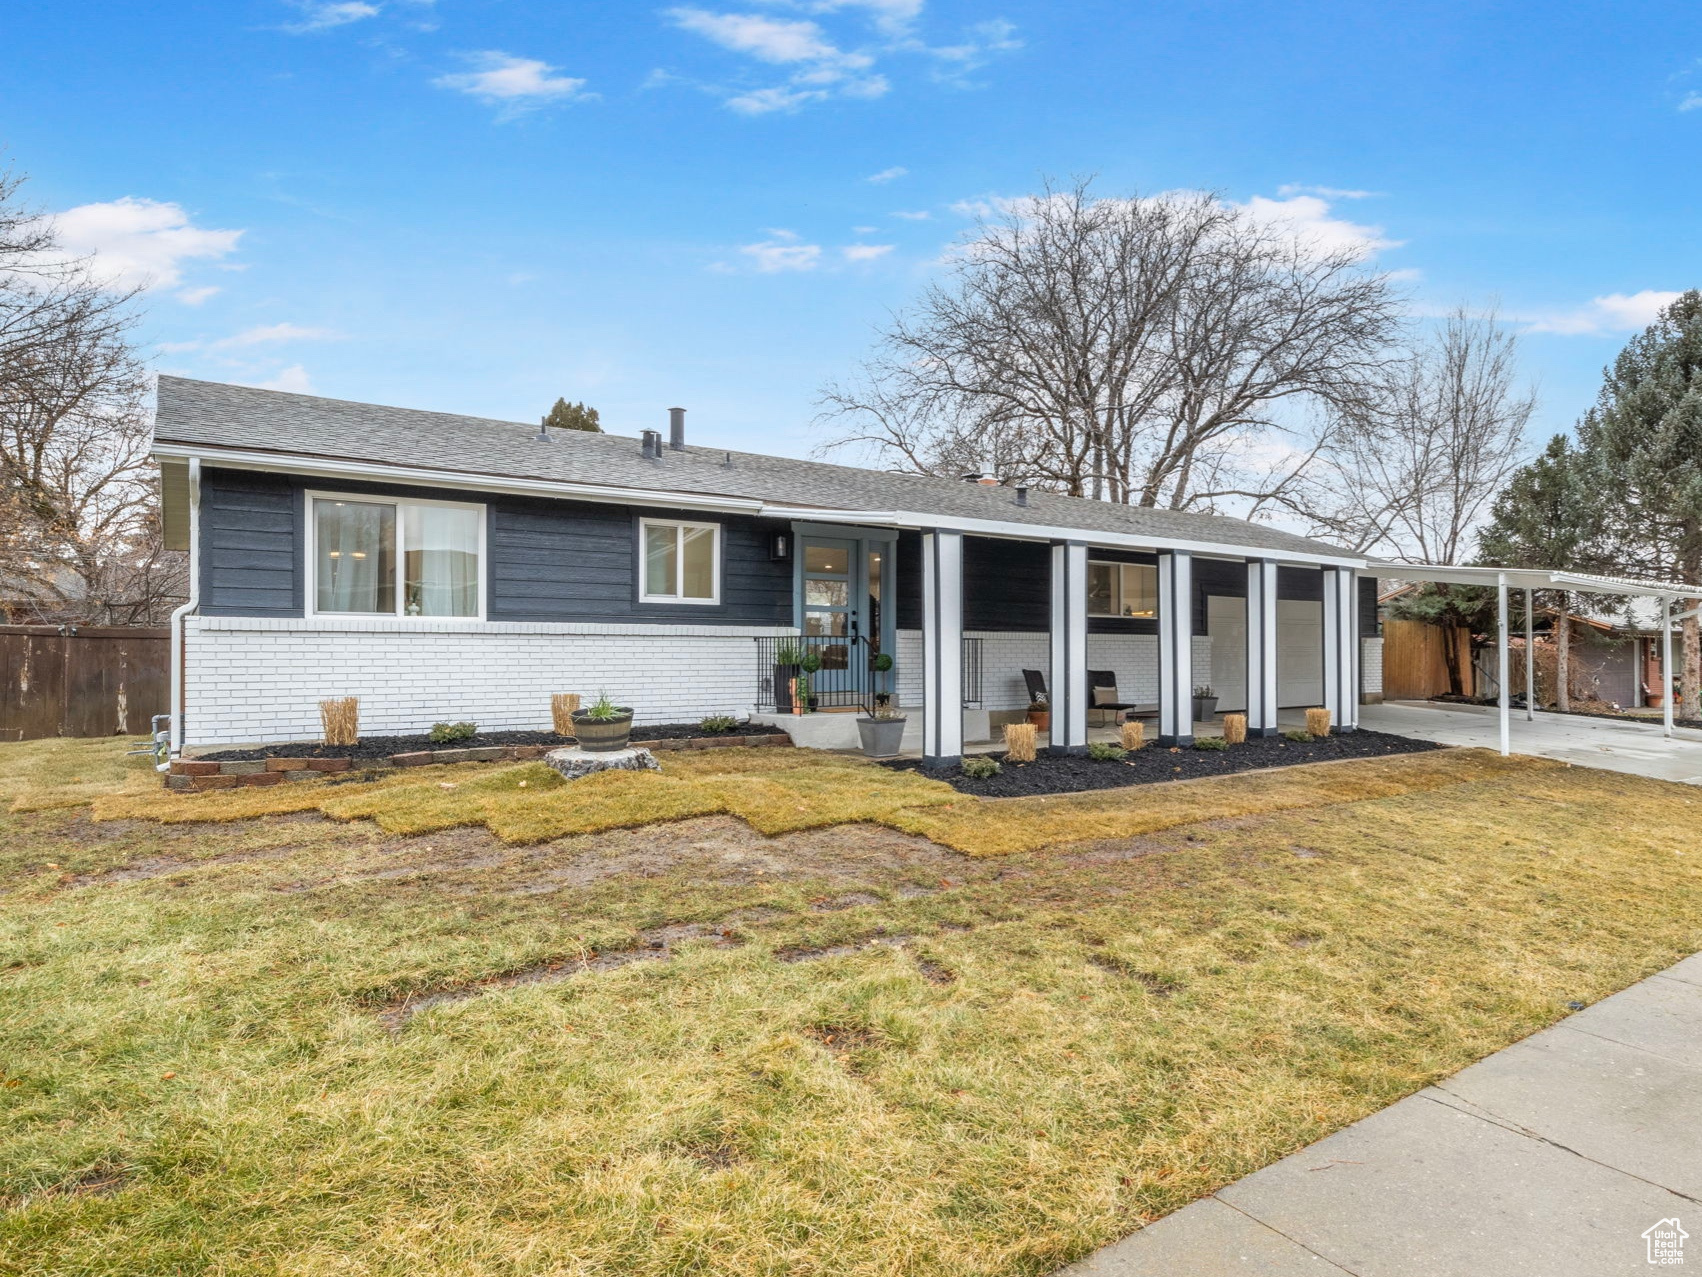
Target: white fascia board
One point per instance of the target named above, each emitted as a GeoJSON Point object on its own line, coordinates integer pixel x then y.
{"type": "Point", "coordinates": [330, 468]}
{"type": "Point", "coordinates": [1526, 579]}
{"type": "Point", "coordinates": [335, 468]}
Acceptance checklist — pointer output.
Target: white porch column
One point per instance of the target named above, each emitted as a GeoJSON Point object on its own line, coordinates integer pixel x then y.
{"type": "Point", "coordinates": [942, 648]}
{"type": "Point", "coordinates": [1502, 670]}
{"type": "Point", "coordinates": [1666, 668]}
{"type": "Point", "coordinates": [1341, 648]}
{"type": "Point", "coordinates": [1261, 647]}
{"type": "Point", "coordinates": [1176, 648]}
{"type": "Point", "coordinates": [1066, 683]}
{"type": "Point", "coordinates": [1530, 657]}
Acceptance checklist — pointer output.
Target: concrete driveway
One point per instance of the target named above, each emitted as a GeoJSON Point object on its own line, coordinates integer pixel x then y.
{"type": "Point", "coordinates": [1548, 1159]}
{"type": "Point", "coordinates": [1611, 744]}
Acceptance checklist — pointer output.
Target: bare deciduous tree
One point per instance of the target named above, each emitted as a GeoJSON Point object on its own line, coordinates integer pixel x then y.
{"type": "Point", "coordinates": [1139, 350]}
{"type": "Point", "coordinates": [79, 501]}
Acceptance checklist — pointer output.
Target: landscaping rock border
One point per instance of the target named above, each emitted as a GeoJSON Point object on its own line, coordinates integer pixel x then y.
{"type": "Point", "coordinates": [196, 774]}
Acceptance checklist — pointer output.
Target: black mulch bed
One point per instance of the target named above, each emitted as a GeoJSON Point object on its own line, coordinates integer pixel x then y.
{"type": "Point", "coordinates": [1074, 774]}
{"type": "Point", "coordinates": [384, 746]}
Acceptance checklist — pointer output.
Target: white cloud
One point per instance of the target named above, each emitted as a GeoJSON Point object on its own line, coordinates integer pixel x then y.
{"type": "Point", "coordinates": [887, 175]}
{"type": "Point", "coordinates": [516, 84]}
{"type": "Point", "coordinates": [293, 379]}
{"type": "Point", "coordinates": [770, 39]}
{"type": "Point", "coordinates": [140, 242]}
{"type": "Point", "coordinates": [1691, 102]}
{"type": "Point", "coordinates": [919, 215]}
{"type": "Point", "coordinates": [261, 335]}
{"type": "Point", "coordinates": [865, 252]}
{"type": "Point", "coordinates": [323, 16]}
{"type": "Point", "coordinates": [1327, 192]}
{"type": "Point", "coordinates": [782, 252]}
{"type": "Point", "coordinates": [1307, 218]}
{"type": "Point", "coordinates": [1616, 312]}
{"type": "Point", "coordinates": [985, 39]}
{"type": "Point", "coordinates": [195, 296]}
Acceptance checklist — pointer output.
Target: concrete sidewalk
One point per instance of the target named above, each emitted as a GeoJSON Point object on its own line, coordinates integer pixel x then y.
{"type": "Point", "coordinates": [1548, 1159]}
{"type": "Point", "coordinates": [1611, 744]}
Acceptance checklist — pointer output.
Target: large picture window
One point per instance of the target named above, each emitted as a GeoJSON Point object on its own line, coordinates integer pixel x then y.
{"type": "Point", "coordinates": [375, 557]}
{"type": "Point", "coordinates": [682, 561]}
{"type": "Point", "coordinates": [1122, 589]}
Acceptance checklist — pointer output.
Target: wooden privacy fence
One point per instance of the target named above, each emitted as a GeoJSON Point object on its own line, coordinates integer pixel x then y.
{"type": "Point", "coordinates": [82, 680]}
{"type": "Point", "coordinates": [1415, 663]}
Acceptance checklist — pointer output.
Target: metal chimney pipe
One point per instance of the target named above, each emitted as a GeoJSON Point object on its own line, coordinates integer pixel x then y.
{"type": "Point", "coordinates": [677, 429]}
{"type": "Point", "coordinates": [543, 435]}
{"type": "Point", "coordinates": [652, 444]}
{"type": "Point", "coordinates": [1022, 494]}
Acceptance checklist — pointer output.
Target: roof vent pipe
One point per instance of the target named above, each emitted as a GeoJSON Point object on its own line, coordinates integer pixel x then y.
{"type": "Point", "coordinates": [652, 444]}
{"type": "Point", "coordinates": [543, 435]}
{"type": "Point", "coordinates": [677, 429]}
{"type": "Point", "coordinates": [1022, 494]}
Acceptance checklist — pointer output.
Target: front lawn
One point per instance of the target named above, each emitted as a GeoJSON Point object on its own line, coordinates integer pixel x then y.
{"type": "Point", "coordinates": [281, 1043]}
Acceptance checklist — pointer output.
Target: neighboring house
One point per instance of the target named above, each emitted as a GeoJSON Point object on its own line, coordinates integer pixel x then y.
{"type": "Point", "coordinates": [447, 567]}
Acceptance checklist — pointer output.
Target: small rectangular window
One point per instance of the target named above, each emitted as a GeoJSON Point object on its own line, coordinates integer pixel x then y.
{"type": "Point", "coordinates": [682, 561]}
{"type": "Point", "coordinates": [1128, 590]}
{"type": "Point", "coordinates": [395, 558]}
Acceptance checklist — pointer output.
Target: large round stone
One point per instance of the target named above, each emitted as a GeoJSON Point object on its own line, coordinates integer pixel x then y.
{"type": "Point", "coordinates": [575, 762]}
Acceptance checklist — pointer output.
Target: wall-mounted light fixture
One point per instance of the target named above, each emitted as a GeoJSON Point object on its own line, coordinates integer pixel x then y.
{"type": "Point", "coordinates": [780, 547]}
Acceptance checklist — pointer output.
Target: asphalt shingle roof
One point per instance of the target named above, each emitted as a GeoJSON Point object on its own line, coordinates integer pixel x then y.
{"type": "Point", "coordinates": [213, 414]}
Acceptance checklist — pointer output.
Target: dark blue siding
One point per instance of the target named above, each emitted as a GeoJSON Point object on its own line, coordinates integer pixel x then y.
{"type": "Point", "coordinates": [545, 560]}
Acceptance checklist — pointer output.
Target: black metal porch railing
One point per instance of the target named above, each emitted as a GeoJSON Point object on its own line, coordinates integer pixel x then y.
{"type": "Point", "coordinates": [827, 673]}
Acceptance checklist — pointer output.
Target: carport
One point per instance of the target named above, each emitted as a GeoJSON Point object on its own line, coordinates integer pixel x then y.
{"type": "Point", "coordinates": [1530, 580]}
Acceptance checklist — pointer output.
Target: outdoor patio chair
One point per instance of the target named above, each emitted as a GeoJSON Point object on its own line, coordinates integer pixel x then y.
{"type": "Point", "coordinates": [1111, 708]}
{"type": "Point", "coordinates": [1036, 687]}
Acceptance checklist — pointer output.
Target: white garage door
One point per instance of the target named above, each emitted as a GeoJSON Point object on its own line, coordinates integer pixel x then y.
{"type": "Point", "coordinates": [1226, 622]}
{"type": "Point", "coordinates": [1300, 653]}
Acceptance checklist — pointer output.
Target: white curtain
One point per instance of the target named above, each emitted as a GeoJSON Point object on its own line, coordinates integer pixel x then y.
{"type": "Point", "coordinates": [355, 545]}
{"type": "Point", "coordinates": [441, 570]}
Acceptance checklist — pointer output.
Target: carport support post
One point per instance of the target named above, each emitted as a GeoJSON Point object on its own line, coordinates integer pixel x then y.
{"type": "Point", "coordinates": [1067, 684]}
{"type": "Point", "coordinates": [1502, 671]}
{"type": "Point", "coordinates": [1175, 648]}
{"type": "Point", "coordinates": [1341, 648]}
{"type": "Point", "coordinates": [1530, 659]}
{"type": "Point", "coordinates": [942, 648]}
{"type": "Point", "coordinates": [1261, 647]}
{"type": "Point", "coordinates": [1666, 666]}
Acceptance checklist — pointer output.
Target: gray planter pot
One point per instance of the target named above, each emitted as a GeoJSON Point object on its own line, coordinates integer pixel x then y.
{"type": "Point", "coordinates": [1205, 708]}
{"type": "Point", "coordinates": [602, 736]}
{"type": "Point", "coordinates": [882, 737]}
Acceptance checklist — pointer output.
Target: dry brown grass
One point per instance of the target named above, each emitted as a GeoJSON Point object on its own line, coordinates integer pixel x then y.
{"type": "Point", "coordinates": [1020, 742]}
{"type": "Point", "coordinates": [1235, 728]}
{"type": "Point", "coordinates": [562, 705]}
{"type": "Point", "coordinates": [339, 720]}
{"type": "Point", "coordinates": [1133, 733]}
{"type": "Point", "coordinates": [1318, 721]}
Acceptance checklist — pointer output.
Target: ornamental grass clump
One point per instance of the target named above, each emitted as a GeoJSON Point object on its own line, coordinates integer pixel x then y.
{"type": "Point", "coordinates": [1019, 742]}
{"type": "Point", "coordinates": [1318, 721]}
{"type": "Point", "coordinates": [1235, 728]}
{"type": "Point", "coordinates": [562, 705]}
{"type": "Point", "coordinates": [339, 720]}
{"type": "Point", "coordinates": [1134, 734]}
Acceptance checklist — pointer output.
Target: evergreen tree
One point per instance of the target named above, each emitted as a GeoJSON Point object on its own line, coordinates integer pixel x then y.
{"type": "Point", "coordinates": [1549, 516]}
{"type": "Point", "coordinates": [1644, 436]}
{"type": "Point", "coordinates": [573, 416]}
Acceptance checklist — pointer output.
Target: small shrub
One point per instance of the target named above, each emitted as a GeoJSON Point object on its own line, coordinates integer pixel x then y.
{"type": "Point", "coordinates": [980, 767]}
{"type": "Point", "coordinates": [1019, 742]}
{"type": "Point", "coordinates": [1211, 742]}
{"type": "Point", "coordinates": [340, 720]}
{"type": "Point", "coordinates": [1134, 734]}
{"type": "Point", "coordinates": [1235, 728]}
{"type": "Point", "coordinates": [562, 705]}
{"type": "Point", "coordinates": [443, 733]}
{"type": "Point", "coordinates": [882, 662]}
{"type": "Point", "coordinates": [1302, 737]}
{"type": "Point", "coordinates": [1318, 721]}
{"type": "Point", "coordinates": [1103, 751]}
{"type": "Point", "coordinates": [717, 723]}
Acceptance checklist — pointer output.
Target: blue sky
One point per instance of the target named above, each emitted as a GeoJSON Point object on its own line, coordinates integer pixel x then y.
{"type": "Point", "coordinates": [478, 205]}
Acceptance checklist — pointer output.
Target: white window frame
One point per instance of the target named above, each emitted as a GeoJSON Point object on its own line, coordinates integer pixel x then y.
{"type": "Point", "coordinates": [310, 576]}
{"type": "Point", "coordinates": [1117, 590]}
{"type": "Point", "coordinates": [677, 599]}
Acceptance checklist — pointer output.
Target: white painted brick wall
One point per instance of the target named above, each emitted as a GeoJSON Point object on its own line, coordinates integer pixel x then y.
{"type": "Point", "coordinates": [1371, 666]}
{"type": "Point", "coordinates": [262, 680]}
{"type": "Point", "coordinates": [1132, 657]}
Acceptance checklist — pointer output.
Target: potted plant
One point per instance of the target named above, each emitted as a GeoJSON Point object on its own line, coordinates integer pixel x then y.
{"type": "Point", "coordinates": [1205, 704]}
{"type": "Point", "coordinates": [804, 701]}
{"type": "Point", "coordinates": [787, 658]}
{"type": "Point", "coordinates": [1040, 715]}
{"type": "Point", "coordinates": [603, 726]}
{"type": "Point", "coordinates": [883, 732]}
